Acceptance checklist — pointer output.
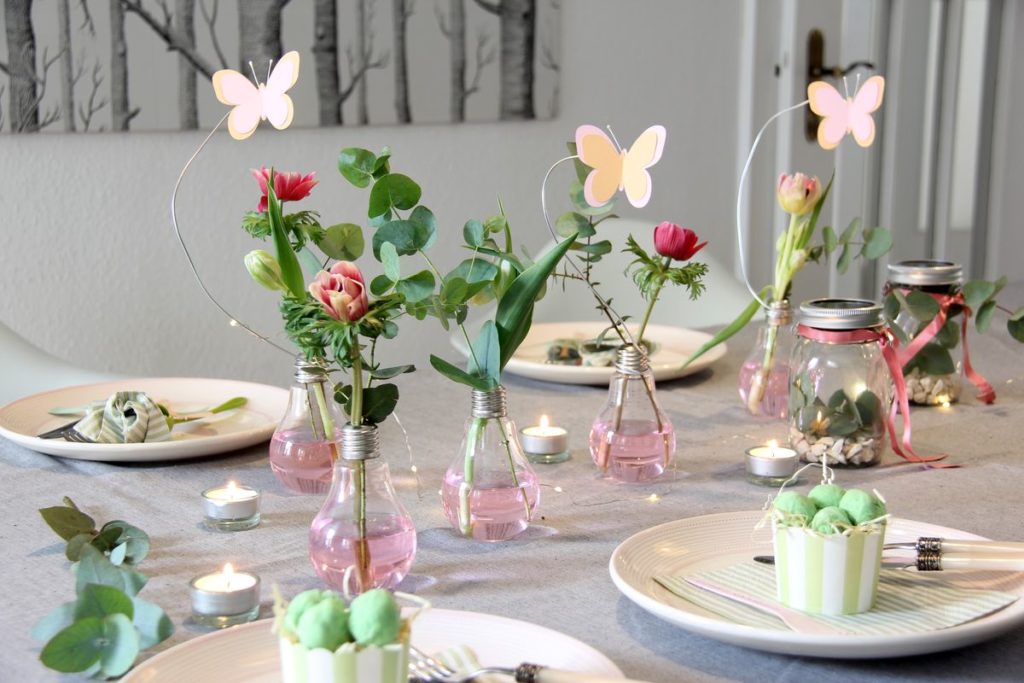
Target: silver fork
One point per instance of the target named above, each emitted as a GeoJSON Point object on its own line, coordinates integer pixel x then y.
{"type": "Point", "coordinates": [426, 669]}
{"type": "Point", "coordinates": [66, 432]}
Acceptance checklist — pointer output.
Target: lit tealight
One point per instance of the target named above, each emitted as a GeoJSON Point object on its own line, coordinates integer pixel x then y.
{"type": "Point", "coordinates": [653, 498]}
{"type": "Point", "coordinates": [231, 507]}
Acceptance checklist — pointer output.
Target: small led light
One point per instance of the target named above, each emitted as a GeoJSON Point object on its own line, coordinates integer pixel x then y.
{"type": "Point", "coordinates": [654, 498]}
{"type": "Point", "coordinates": [414, 469]}
{"type": "Point", "coordinates": [558, 489]}
{"type": "Point", "coordinates": [233, 323]}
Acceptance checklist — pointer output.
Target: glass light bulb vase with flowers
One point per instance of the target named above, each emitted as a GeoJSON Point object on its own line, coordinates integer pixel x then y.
{"type": "Point", "coordinates": [764, 376]}
{"type": "Point", "coordinates": [490, 491]}
{"type": "Point", "coordinates": [631, 438]}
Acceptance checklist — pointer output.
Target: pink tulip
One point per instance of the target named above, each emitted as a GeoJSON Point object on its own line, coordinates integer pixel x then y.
{"type": "Point", "coordinates": [798, 193]}
{"type": "Point", "coordinates": [676, 242]}
{"type": "Point", "coordinates": [341, 291]}
{"type": "Point", "coordinates": [289, 187]}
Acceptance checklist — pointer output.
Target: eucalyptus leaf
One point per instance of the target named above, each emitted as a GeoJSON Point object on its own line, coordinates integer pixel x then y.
{"type": "Point", "coordinates": [121, 645]}
{"type": "Point", "coordinates": [933, 360]}
{"type": "Point", "coordinates": [382, 165]}
{"type": "Point", "coordinates": [920, 306]}
{"type": "Point", "coordinates": [416, 287]}
{"type": "Point", "coordinates": [378, 402]}
{"type": "Point", "coordinates": [356, 165]}
{"type": "Point", "coordinates": [831, 240]}
{"type": "Point", "coordinates": [74, 547]}
{"type": "Point", "coordinates": [117, 555]}
{"type": "Point", "coordinates": [95, 567]}
{"type": "Point", "coordinates": [76, 647]}
{"type": "Point", "coordinates": [486, 352]}
{"type": "Point", "coordinates": [54, 622]}
{"type": "Point", "coordinates": [97, 600]}
{"type": "Point", "coordinates": [1015, 326]}
{"type": "Point", "coordinates": [457, 374]}
{"type": "Point", "coordinates": [877, 243]}
{"type": "Point", "coordinates": [106, 539]}
{"type": "Point", "coordinates": [151, 622]}
{"type": "Point", "coordinates": [594, 248]}
{"type": "Point", "coordinates": [393, 191]}
{"type": "Point", "coordinates": [473, 232]}
{"type": "Point", "coordinates": [845, 257]}
{"type": "Point", "coordinates": [68, 522]}
{"type": "Point", "coordinates": [842, 425]}
{"type": "Point", "coordinates": [515, 308]}
{"type": "Point", "coordinates": [573, 223]}
{"type": "Point", "coordinates": [868, 407]}
{"type": "Point", "coordinates": [849, 232]}
{"type": "Point", "coordinates": [389, 258]}
{"type": "Point", "coordinates": [407, 236]}
{"type": "Point", "coordinates": [381, 285]}
{"type": "Point", "coordinates": [343, 242]}
{"type": "Point", "coordinates": [949, 335]}
{"type": "Point", "coordinates": [476, 272]}
{"type": "Point", "coordinates": [977, 292]}
{"type": "Point", "coordinates": [388, 373]}
{"type": "Point", "coordinates": [891, 307]}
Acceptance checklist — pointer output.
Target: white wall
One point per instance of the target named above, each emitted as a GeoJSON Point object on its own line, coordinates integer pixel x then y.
{"type": "Point", "coordinates": [91, 271]}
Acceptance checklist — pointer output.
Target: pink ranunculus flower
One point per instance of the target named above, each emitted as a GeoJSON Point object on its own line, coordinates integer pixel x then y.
{"type": "Point", "coordinates": [798, 193]}
{"type": "Point", "coordinates": [341, 291]}
{"type": "Point", "coordinates": [289, 187]}
{"type": "Point", "coordinates": [676, 242]}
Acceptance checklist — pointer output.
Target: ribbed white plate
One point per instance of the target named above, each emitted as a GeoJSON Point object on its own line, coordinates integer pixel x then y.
{"type": "Point", "coordinates": [697, 544]}
{"type": "Point", "coordinates": [254, 423]}
{"type": "Point", "coordinates": [674, 346]}
{"type": "Point", "coordinates": [248, 654]}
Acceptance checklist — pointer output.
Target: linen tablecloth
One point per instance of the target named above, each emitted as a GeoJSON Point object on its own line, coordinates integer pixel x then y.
{"type": "Point", "coordinates": [555, 574]}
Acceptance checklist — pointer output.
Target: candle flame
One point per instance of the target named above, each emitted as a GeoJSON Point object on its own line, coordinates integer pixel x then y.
{"type": "Point", "coordinates": [228, 570]}
{"type": "Point", "coordinates": [544, 421]}
{"type": "Point", "coordinates": [232, 489]}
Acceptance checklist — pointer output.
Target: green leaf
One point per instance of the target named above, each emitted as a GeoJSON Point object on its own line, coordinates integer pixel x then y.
{"type": "Point", "coordinates": [381, 285]}
{"type": "Point", "coordinates": [845, 256]}
{"type": "Point", "coordinates": [977, 292]}
{"type": "Point", "coordinates": [515, 308]}
{"type": "Point", "coordinates": [594, 248]}
{"type": "Point", "coordinates": [117, 555]}
{"type": "Point", "coordinates": [868, 407]}
{"type": "Point", "coordinates": [382, 166]}
{"type": "Point", "coordinates": [848, 233]}
{"type": "Point", "coordinates": [487, 352]}
{"type": "Point", "coordinates": [379, 402]}
{"type": "Point", "coordinates": [393, 191]}
{"type": "Point", "coordinates": [476, 272]}
{"type": "Point", "coordinates": [459, 375]}
{"type": "Point", "coordinates": [933, 360]}
{"type": "Point", "coordinates": [891, 307]}
{"type": "Point", "coordinates": [416, 287]}
{"type": "Point", "coordinates": [407, 236]}
{"type": "Point", "coordinates": [343, 242]}
{"type": "Point", "coordinates": [121, 645]}
{"type": "Point", "coordinates": [74, 547]}
{"type": "Point", "coordinates": [573, 223]}
{"type": "Point", "coordinates": [76, 647]}
{"type": "Point", "coordinates": [745, 316]}
{"type": "Point", "coordinates": [152, 624]}
{"type": "Point", "coordinates": [68, 522]}
{"type": "Point", "coordinates": [426, 224]}
{"type": "Point", "coordinates": [136, 540]}
{"type": "Point", "coordinates": [831, 240]}
{"type": "Point", "coordinates": [291, 272]}
{"type": "Point", "coordinates": [97, 600]}
{"type": "Point", "coordinates": [54, 622]}
{"type": "Point", "coordinates": [473, 232]}
{"type": "Point", "coordinates": [877, 242]}
{"type": "Point", "coordinates": [389, 257]}
{"type": "Point", "coordinates": [95, 567]}
{"type": "Point", "coordinates": [106, 539]}
{"type": "Point", "coordinates": [454, 290]}
{"type": "Point", "coordinates": [920, 306]}
{"type": "Point", "coordinates": [984, 317]}
{"type": "Point", "coordinates": [949, 335]}
{"type": "Point", "coordinates": [1015, 326]}
{"type": "Point", "coordinates": [388, 373]}
{"type": "Point", "coordinates": [357, 165]}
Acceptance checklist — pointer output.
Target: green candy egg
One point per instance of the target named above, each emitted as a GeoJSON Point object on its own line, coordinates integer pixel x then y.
{"type": "Point", "coordinates": [299, 604]}
{"type": "Point", "coordinates": [324, 624]}
{"type": "Point", "coordinates": [375, 618]}
{"type": "Point", "coordinates": [795, 504]}
{"type": "Point", "coordinates": [826, 495]}
{"type": "Point", "coordinates": [831, 520]}
{"type": "Point", "coordinates": [862, 506]}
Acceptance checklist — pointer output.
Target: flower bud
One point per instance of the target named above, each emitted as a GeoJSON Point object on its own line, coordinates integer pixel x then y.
{"type": "Point", "coordinates": [265, 270]}
{"type": "Point", "coordinates": [798, 193]}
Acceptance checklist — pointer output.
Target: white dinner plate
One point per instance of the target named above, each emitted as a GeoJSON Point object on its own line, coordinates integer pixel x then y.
{"type": "Point", "coordinates": [249, 653]}
{"type": "Point", "coordinates": [674, 346]}
{"type": "Point", "coordinates": [251, 424]}
{"type": "Point", "coordinates": [703, 543]}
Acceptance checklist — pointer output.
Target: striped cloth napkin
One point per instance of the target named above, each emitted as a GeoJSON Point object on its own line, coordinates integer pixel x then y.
{"type": "Point", "coordinates": [464, 661]}
{"type": "Point", "coordinates": [908, 602]}
{"type": "Point", "coordinates": [126, 417]}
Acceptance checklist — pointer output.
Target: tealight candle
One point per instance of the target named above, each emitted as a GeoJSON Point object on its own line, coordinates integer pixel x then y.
{"type": "Point", "coordinates": [231, 507]}
{"type": "Point", "coordinates": [544, 443]}
{"type": "Point", "coordinates": [225, 598]}
{"type": "Point", "coordinates": [771, 465]}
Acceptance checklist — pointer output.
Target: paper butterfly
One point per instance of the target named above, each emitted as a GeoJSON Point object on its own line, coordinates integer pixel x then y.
{"type": "Point", "coordinates": [618, 169]}
{"type": "Point", "coordinates": [255, 103]}
{"type": "Point", "coordinates": [842, 115]}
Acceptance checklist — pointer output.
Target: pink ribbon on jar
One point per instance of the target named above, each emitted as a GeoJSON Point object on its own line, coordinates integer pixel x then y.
{"type": "Point", "coordinates": [986, 394]}
{"type": "Point", "coordinates": [890, 346]}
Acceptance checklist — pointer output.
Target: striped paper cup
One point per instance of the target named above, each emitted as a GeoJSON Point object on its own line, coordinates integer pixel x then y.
{"type": "Point", "coordinates": [835, 574]}
{"type": "Point", "coordinates": [348, 664]}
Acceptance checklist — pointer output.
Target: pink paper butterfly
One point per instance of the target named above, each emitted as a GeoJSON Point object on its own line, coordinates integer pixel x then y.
{"type": "Point", "coordinates": [842, 115]}
{"type": "Point", "coordinates": [618, 169]}
{"type": "Point", "coordinates": [255, 103]}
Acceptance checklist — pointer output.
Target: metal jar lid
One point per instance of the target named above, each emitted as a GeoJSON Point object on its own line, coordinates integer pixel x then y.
{"type": "Point", "coordinates": [925, 272]}
{"type": "Point", "coordinates": [840, 314]}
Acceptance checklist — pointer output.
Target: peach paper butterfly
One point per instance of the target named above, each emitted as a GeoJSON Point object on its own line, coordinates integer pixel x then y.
{"type": "Point", "coordinates": [618, 169]}
{"type": "Point", "coordinates": [255, 103]}
{"type": "Point", "coordinates": [842, 115]}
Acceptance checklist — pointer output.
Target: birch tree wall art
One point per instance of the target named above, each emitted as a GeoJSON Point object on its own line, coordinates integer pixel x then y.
{"type": "Point", "coordinates": [78, 66]}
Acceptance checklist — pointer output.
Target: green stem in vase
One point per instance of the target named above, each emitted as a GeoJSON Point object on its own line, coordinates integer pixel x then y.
{"type": "Point", "coordinates": [654, 299]}
{"type": "Point", "coordinates": [356, 417]}
{"type": "Point", "coordinates": [512, 466]}
{"type": "Point", "coordinates": [473, 433]}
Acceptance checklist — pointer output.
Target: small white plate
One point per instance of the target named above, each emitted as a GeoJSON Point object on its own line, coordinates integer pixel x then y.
{"type": "Point", "coordinates": [254, 423]}
{"type": "Point", "coordinates": [248, 654]}
{"type": "Point", "coordinates": [674, 346]}
{"type": "Point", "coordinates": [709, 542]}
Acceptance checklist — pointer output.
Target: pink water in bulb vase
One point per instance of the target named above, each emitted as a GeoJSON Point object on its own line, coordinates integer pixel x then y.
{"type": "Point", "coordinates": [305, 444]}
{"type": "Point", "coordinates": [632, 439]}
{"type": "Point", "coordinates": [764, 376]}
{"type": "Point", "coordinates": [362, 538]}
{"type": "Point", "coordinates": [490, 491]}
